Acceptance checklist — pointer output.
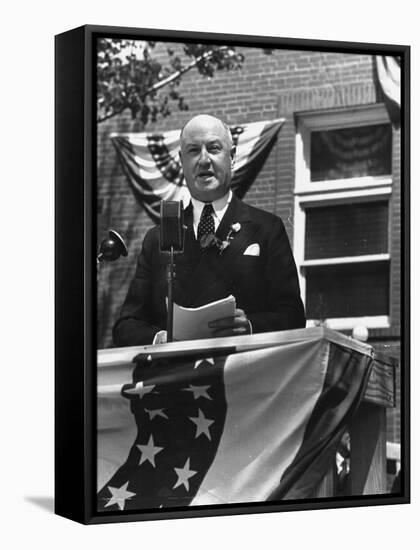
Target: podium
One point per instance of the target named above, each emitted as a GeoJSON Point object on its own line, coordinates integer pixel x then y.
{"type": "Point", "coordinates": [296, 392]}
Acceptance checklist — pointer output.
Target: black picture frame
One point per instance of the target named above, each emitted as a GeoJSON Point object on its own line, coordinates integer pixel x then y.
{"type": "Point", "coordinates": [75, 275]}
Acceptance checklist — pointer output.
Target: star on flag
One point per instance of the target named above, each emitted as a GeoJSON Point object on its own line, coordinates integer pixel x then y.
{"type": "Point", "coordinates": [203, 424]}
{"type": "Point", "coordinates": [119, 496]}
{"type": "Point", "coordinates": [140, 389]}
{"type": "Point", "coordinates": [198, 391]}
{"type": "Point", "coordinates": [184, 475]}
{"type": "Point", "coordinates": [149, 451]}
{"type": "Point", "coordinates": [156, 412]}
{"type": "Point", "coordinates": [151, 475]}
{"type": "Point", "coordinates": [206, 360]}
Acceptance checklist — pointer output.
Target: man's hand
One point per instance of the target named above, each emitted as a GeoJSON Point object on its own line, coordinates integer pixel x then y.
{"type": "Point", "coordinates": [231, 326]}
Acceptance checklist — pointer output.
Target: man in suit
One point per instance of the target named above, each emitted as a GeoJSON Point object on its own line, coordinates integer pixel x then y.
{"type": "Point", "coordinates": [257, 266]}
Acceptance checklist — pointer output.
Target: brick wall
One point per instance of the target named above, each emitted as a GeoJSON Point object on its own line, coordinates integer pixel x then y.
{"type": "Point", "coordinates": [268, 86]}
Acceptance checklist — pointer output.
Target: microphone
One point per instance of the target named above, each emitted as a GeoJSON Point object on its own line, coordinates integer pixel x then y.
{"type": "Point", "coordinates": [171, 239]}
{"type": "Point", "coordinates": [112, 248]}
{"type": "Point", "coordinates": [171, 226]}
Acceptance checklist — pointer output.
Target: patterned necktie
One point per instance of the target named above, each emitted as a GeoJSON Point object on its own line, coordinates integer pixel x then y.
{"type": "Point", "coordinates": [206, 224]}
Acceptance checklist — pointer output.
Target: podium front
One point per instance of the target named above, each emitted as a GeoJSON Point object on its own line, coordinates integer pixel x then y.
{"type": "Point", "coordinates": [240, 420]}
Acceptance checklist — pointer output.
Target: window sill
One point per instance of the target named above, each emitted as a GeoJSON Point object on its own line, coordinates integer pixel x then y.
{"type": "Point", "coordinates": [343, 185]}
{"type": "Point", "coordinates": [348, 323]}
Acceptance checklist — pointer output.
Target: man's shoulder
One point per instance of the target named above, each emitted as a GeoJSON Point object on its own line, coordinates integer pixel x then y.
{"type": "Point", "coordinates": [153, 231]}
{"type": "Point", "coordinates": [262, 217]}
{"type": "Point", "coordinates": [151, 236]}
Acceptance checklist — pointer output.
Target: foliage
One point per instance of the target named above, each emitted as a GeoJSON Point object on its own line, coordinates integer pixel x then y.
{"type": "Point", "coordinates": [130, 77]}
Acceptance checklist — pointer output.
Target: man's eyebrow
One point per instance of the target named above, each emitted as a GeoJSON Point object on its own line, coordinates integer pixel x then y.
{"type": "Point", "coordinates": [215, 141]}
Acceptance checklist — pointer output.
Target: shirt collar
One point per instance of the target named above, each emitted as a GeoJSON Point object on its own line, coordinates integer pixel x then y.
{"type": "Point", "coordinates": [219, 206]}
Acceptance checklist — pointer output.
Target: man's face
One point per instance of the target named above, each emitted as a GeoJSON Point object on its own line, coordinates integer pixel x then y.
{"type": "Point", "coordinates": [207, 158]}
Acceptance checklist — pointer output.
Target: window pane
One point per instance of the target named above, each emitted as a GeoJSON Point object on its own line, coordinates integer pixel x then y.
{"type": "Point", "coordinates": [351, 152]}
{"type": "Point", "coordinates": [346, 230]}
{"type": "Point", "coordinates": [351, 290]}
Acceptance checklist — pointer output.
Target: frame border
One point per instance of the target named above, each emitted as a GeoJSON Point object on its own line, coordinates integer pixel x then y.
{"type": "Point", "coordinates": [75, 270]}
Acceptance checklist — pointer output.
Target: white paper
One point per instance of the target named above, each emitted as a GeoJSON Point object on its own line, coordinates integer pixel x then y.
{"type": "Point", "coordinates": [192, 323]}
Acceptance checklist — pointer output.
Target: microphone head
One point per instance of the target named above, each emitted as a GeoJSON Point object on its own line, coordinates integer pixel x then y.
{"type": "Point", "coordinates": [171, 226]}
{"type": "Point", "coordinates": [112, 248]}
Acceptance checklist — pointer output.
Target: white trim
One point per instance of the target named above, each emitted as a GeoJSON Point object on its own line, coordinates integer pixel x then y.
{"type": "Point", "coordinates": [342, 197]}
{"type": "Point", "coordinates": [393, 452]}
{"type": "Point", "coordinates": [299, 230]}
{"type": "Point", "coordinates": [303, 173]}
{"type": "Point", "coordinates": [346, 260]}
{"type": "Point", "coordinates": [344, 184]}
{"type": "Point", "coordinates": [348, 323]}
{"type": "Point", "coordinates": [329, 119]}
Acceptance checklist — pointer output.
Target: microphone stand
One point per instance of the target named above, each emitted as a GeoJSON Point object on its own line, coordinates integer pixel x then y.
{"type": "Point", "coordinates": [170, 277]}
{"type": "Point", "coordinates": [172, 232]}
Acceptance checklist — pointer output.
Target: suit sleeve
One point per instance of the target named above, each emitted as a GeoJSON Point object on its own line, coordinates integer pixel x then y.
{"type": "Point", "coordinates": [134, 326]}
{"type": "Point", "coordinates": [285, 309]}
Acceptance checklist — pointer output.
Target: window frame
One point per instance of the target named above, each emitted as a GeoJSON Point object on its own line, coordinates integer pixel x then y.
{"type": "Point", "coordinates": [334, 192]}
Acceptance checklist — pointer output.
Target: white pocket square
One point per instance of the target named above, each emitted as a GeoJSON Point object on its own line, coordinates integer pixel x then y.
{"type": "Point", "coordinates": [252, 250]}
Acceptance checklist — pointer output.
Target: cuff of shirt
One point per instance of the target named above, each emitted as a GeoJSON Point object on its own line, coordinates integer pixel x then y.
{"type": "Point", "coordinates": [160, 338]}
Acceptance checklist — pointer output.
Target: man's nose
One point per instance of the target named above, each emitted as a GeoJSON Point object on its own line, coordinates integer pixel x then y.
{"type": "Point", "coordinates": [204, 158]}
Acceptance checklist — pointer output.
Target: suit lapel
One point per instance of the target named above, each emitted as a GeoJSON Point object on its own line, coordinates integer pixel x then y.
{"type": "Point", "coordinates": [189, 264]}
{"type": "Point", "coordinates": [201, 274]}
{"type": "Point", "coordinates": [238, 212]}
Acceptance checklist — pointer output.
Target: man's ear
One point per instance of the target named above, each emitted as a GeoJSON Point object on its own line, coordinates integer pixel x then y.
{"type": "Point", "coordinates": [232, 155]}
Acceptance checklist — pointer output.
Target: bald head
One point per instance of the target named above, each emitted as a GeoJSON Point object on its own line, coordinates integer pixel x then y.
{"type": "Point", "coordinates": [207, 155]}
{"type": "Point", "coordinates": [204, 120]}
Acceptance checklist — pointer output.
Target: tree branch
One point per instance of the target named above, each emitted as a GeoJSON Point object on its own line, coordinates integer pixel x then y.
{"type": "Point", "coordinates": [165, 81]}
{"type": "Point", "coordinates": [110, 115]}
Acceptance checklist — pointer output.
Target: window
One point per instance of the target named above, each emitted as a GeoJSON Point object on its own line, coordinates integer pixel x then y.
{"type": "Point", "coordinates": [342, 192]}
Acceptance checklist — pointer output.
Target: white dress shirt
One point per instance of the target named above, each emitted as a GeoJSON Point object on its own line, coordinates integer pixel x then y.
{"type": "Point", "coordinates": [219, 206]}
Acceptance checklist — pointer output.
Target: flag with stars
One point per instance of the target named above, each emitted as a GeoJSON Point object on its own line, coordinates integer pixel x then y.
{"type": "Point", "coordinates": [151, 164]}
{"type": "Point", "coordinates": [245, 427]}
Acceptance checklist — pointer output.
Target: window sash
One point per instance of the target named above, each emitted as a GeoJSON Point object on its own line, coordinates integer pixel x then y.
{"type": "Point", "coordinates": [348, 290]}
{"type": "Point", "coordinates": [354, 229]}
{"type": "Point", "coordinates": [330, 192]}
{"type": "Point", "coordinates": [332, 119]}
{"type": "Point", "coordinates": [332, 158]}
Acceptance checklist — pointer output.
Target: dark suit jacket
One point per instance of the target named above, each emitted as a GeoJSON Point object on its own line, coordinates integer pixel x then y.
{"type": "Point", "coordinates": [266, 286]}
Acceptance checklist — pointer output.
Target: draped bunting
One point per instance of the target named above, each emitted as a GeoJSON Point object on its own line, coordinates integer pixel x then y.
{"type": "Point", "coordinates": [154, 172]}
{"type": "Point", "coordinates": [241, 427]}
{"type": "Point", "coordinates": [389, 74]}
{"type": "Point", "coordinates": [351, 152]}
{"type": "Point", "coordinates": [388, 71]}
